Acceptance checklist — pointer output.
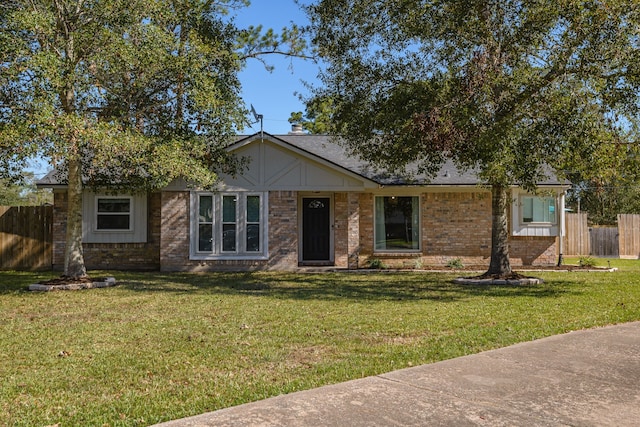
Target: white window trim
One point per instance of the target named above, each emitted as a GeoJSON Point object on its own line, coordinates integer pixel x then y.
{"type": "Point", "coordinates": [523, 223]}
{"type": "Point", "coordinates": [113, 230]}
{"type": "Point", "coordinates": [377, 251]}
{"type": "Point", "coordinates": [240, 253]}
{"type": "Point", "coordinates": [535, 229]}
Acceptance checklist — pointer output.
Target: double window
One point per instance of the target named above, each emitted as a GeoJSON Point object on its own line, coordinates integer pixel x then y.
{"type": "Point", "coordinates": [538, 209]}
{"type": "Point", "coordinates": [113, 214]}
{"type": "Point", "coordinates": [397, 223]}
{"type": "Point", "coordinates": [229, 224]}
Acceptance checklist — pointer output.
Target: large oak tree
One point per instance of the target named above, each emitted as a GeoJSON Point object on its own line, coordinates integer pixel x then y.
{"type": "Point", "coordinates": [508, 88]}
{"type": "Point", "coordinates": [127, 94]}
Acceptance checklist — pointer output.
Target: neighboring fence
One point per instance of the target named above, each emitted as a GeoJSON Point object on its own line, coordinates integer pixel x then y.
{"type": "Point", "coordinates": [629, 232]}
{"type": "Point", "coordinates": [622, 241]}
{"type": "Point", "coordinates": [26, 237]}
{"type": "Point", "coordinates": [604, 241]}
{"type": "Point", "coordinates": [577, 240]}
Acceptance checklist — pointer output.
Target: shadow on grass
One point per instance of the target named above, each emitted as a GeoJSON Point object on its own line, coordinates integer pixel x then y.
{"type": "Point", "coordinates": [328, 286]}
{"type": "Point", "coordinates": [19, 281]}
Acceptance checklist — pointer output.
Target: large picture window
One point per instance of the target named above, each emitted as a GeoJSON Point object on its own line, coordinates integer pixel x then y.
{"type": "Point", "coordinates": [229, 225]}
{"type": "Point", "coordinates": [397, 223]}
{"type": "Point", "coordinates": [113, 214]}
{"type": "Point", "coordinates": [538, 209]}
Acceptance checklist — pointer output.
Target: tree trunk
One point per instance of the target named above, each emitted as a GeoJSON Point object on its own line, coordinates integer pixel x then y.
{"type": "Point", "coordinates": [73, 256]}
{"type": "Point", "coordinates": [499, 265]}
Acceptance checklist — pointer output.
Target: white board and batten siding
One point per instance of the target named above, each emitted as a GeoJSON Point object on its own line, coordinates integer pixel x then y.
{"type": "Point", "coordinates": [138, 223]}
{"type": "Point", "coordinates": [519, 228]}
{"type": "Point", "coordinates": [274, 168]}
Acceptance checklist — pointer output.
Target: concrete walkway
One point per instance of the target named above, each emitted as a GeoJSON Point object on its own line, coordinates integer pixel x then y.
{"type": "Point", "coordinates": [583, 378]}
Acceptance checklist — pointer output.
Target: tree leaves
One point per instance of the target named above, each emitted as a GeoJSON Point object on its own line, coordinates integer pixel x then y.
{"type": "Point", "coordinates": [505, 87]}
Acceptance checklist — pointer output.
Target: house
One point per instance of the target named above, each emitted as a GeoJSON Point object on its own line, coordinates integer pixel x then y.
{"type": "Point", "coordinates": [303, 202]}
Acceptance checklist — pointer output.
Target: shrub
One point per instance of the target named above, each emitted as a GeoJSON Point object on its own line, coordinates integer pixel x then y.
{"type": "Point", "coordinates": [587, 261]}
{"type": "Point", "coordinates": [455, 263]}
{"type": "Point", "coordinates": [376, 264]}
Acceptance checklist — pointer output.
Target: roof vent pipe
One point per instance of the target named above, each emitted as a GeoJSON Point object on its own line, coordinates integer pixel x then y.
{"type": "Point", "coordinates": [296, 129]}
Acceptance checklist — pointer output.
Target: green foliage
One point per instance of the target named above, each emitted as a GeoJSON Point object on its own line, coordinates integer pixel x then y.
{"type": "Point", "coordinates": [317, 116]}
{"type": "Point", "coordinates": [455, 263]}
{"type": "Point", "coordinates": [145, 92]}
{"type": "Point", "coordinates": [587, 261]}
{"type": "Point", "coordinates": [23, 193]}
{"type": "Point", "coordinates": [376, 264]}
{"type": "Point", "coordinates": [125, 94]}
{"type": "Point", "coordinates": [606, 192]}
{"type": "Point", "coordinates": [505, 87]}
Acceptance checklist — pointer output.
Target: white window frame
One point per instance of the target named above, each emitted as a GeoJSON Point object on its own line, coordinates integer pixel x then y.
{"type": "Point", "coordinates": [545, 199]}
{"type": "Point", "coordinates": [419, 226]}
{"type": "Point", "coordinates": [240, 252]}
{"type": "Point", "coordinates": [97, 213]}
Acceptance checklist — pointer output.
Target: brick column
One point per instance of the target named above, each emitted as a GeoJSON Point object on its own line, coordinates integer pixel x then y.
{"type": "Point", "coordinates": [353, 230]}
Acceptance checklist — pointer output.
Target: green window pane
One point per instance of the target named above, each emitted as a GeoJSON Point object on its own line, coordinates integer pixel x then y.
{"type": "Point", "coordinates": [229, 209]}
{"type": "Point", "coordinates": [253, 238]}
{"type": "Point", "coordinates": [114, 222]}
{"type": "Point", "coordinates": [397, 223]}
{"type": "Point", "coordinates": [538, 209]}
{"type": "Point", "coordinates": [229, 237]}
{"type": "Point", "coordinates": [205, 238]}
{"type": "Point", "coordinates": [206, 209]}
{"type": "Point", "coordinates": [253, 209]}
{"type": "Point", "coordinates": [114, 205]}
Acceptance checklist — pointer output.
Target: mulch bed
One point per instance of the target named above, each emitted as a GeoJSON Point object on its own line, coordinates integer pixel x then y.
{"type": "Point", "coordinates": [68, 280]}
{"type": "Point", "coordinates": [66, 283]}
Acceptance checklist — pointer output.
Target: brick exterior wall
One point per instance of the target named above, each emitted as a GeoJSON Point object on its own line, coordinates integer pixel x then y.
{"type": "Point", "coordinates": [454, 225]}
{"type": "Point", "coordinates": [110, 256]}
{"type": "Point", "coordinates": [283, 230]}
{"type": "Point", "coordinates": [283, 236]}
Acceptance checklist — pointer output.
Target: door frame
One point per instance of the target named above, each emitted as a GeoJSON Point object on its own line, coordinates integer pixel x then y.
{"type": "Point", "coordinates": [331, 259]}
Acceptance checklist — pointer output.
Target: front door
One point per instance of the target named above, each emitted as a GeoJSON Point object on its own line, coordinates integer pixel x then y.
{"type": "Point", "coordinates": [316, 229]}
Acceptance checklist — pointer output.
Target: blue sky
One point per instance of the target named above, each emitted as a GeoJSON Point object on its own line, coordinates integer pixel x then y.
{"type": "Point", "coordinates": [273, 94]}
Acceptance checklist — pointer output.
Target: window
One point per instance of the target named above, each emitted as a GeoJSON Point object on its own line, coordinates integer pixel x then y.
{"type": "Point", "coordinates": [229, 225]}
{"type": "Point", "coordinates": [538, 209]}
{"type": "Point", "coordinates": [113, 214]}
{"type": "Point", "coordinates": [397, 223]}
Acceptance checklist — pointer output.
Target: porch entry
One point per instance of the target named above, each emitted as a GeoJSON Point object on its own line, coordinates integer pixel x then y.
{"type": "Point", "coordinates": [316, 230]}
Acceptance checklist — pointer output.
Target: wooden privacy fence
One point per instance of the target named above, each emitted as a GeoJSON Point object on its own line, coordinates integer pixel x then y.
{"type": "Point", "coordinates": [629, 235]}
{"type": "Point", "coordinates": [577, 241]}
{"type": "Point", "coordinates": [26, 237]}
{"type": "Point", "coordinates": [622, 241]}
{"type": "Point", "coordinates": [604, 241]}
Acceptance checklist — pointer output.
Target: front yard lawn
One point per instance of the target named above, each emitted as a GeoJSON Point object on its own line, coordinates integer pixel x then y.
{"type": "Point", "coordinates": [163, 346]}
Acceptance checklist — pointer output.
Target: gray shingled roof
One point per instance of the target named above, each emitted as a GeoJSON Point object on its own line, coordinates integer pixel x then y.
{"type": "Point", "coordinates": [325, 147]}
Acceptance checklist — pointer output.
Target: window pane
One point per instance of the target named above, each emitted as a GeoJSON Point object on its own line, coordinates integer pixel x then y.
{"type": "Point", "coordinates": [253, 208]}
{"type": "Point", "coordinates": [229, 209]}
{"type": "Point", "coordinates": [538, 209]}
{"type": "Point", "coordinates": [253, 238]}
{"type": "Point", "coordinates": [229, 237]}
{"type": "Point", "coordinates": [527, 209]}
{"type": "Point", "coordinates": [397, 223]}
{"type": "Point", "coordinates": [206, 209]}
{"type": "Point", "coordinates": [205, 238]}
{"type": "Point", "coordinates": [113, 222]}
{"type": "Point", "coordinates": [114, 205]}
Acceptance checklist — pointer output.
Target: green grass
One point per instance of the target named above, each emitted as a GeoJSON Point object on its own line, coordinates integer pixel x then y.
{"type": "Point", "coordinates": [164, 346]}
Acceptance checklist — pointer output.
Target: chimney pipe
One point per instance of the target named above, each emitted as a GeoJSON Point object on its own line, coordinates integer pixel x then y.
{"type": "Point", "coordinates": [296, 129]}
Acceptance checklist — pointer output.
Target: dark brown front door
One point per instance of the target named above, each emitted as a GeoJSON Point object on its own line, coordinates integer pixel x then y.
{"type": "Point", "coordinates": [316, 229]}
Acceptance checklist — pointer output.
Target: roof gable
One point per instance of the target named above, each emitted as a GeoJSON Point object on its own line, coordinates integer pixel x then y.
{"type": "Point", "coordinates": [275, 164]}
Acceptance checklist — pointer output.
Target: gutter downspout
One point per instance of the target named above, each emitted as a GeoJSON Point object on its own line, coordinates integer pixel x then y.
{"type": "Point", "coordinates": [561, 228]}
